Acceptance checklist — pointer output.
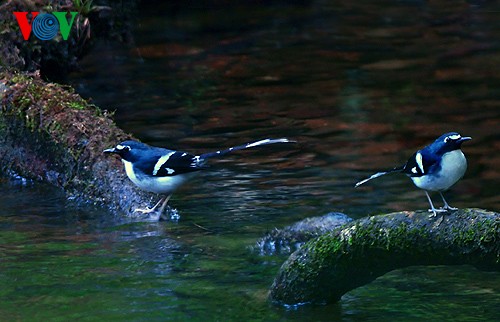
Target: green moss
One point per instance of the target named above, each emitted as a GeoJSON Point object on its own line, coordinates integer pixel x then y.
{"type": "Point", "coordinates": [76, 105]}
{"type": "Point", "coordinates": [31, 98]}
{"type": "Point", "coordinates": [481, 231]}
{"type": "Point", "coordinates": [20, 78]}
{"type": "Point", "coordinates": [55, 112]}
{"type": "Point", "coordinates": [325, 268]}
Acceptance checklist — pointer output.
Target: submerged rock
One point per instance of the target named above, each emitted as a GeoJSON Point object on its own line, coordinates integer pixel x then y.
{"type": "Point", "coordinates": [291, 238]}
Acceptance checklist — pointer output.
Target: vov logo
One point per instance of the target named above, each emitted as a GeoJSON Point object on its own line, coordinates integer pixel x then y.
{"type": "Point", "coordinates": [45, 26]}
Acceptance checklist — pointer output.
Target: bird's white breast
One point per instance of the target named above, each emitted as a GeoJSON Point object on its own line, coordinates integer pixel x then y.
{"type": "Point", "coordinates": [163, 185]}
{"type": "Point", "coordinates": [453, 166]}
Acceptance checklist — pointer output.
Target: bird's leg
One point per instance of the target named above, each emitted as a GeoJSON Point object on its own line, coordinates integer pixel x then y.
{"type": "Point", "coordinates": [446, 205]}
{"type": "Point", "coordinates": [165, 203]}
{"type": "Point", "coordinates": [149, 210]}
{"type": "Point", "coordinates": [433, 210]}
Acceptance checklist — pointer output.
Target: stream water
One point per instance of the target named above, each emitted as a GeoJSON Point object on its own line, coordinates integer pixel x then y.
{"type": "Point", "coordinates": [359, 86]}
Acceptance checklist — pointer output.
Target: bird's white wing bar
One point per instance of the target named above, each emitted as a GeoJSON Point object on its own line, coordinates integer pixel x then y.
{"type": "Point", "coordinates": [161, 161]}
{"type": "Point", "coordinates": [420, 163]}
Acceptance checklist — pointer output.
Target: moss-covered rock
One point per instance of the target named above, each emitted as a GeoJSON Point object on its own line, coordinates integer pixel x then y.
{"type": "Point", "coordinates": [49, 133]}
{"type": "Point", "coordinates": [329, 266]}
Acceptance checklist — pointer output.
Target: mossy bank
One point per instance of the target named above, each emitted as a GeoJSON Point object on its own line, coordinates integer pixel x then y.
{"type": "Point", "coordinates": [50, 134]}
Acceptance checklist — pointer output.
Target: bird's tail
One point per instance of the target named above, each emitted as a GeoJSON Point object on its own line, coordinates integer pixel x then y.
{"type": "Point", "coordinates": [243, 147]}
{"type": "Point", "coordinates": [379, 174]}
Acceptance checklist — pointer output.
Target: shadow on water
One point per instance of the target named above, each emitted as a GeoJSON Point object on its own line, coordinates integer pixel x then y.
{"type": "Point", "coordinates": [360, 86]}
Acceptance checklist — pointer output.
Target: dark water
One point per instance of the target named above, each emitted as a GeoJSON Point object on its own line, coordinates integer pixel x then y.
{"type": "Point", "coordinates": [360, 86]}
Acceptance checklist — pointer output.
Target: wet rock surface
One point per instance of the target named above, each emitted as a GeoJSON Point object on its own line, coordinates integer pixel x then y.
{"type": "Point", "coordinates": [289, 239]}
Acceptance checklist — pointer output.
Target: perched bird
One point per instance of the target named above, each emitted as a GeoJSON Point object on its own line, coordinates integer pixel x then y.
{"type": "Point", "coordinates": [436, 167]}
{"type": "Point", "coordinates": [162, 170]}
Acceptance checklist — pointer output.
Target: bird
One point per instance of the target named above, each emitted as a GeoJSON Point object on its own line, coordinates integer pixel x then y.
{"type": "Point", "coordinates": [435, 168]}
{"type": "Point", "coordinates": [162, 170]}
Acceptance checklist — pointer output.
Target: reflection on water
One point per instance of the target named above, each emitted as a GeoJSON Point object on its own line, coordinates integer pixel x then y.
{"type": "Point", "coordinates": [60, 261]}
{"type": "Point", "coordinates": [360, 86]}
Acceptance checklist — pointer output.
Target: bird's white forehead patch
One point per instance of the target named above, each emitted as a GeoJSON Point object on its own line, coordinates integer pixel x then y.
{"type": "Point", "coordinates": [122, 147]}
{"type": "Point", "coordinates": [453, 137]}
{"type": "Point", "coordinates": [420, 164]}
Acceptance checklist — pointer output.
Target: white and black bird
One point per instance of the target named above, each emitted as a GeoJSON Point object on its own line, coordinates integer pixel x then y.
{"type": "Point", "coordinates": [162, 171]}
{"type": "Point", "coordinates": [436, 167]}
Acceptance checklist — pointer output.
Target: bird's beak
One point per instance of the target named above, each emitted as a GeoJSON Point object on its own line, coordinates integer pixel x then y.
{"type": "Point", "coordinates": [465, 138]}
{"type": "Point", "coordinates": [111, 150]}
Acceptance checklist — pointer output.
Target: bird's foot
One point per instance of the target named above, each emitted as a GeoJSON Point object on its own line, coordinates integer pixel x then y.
{"type": "Point", "coordinates": [449, 208]}
{"type": "Point", "coordinates": [438, 210]}
{"type": "Point", "coordinates": [146, 210]}
{"type": "Point", "coordinates": [435, 211]}
{"type": "Point", "coordinates": [150, 210]}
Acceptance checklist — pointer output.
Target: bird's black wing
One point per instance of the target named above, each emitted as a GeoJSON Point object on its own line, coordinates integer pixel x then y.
{"type": "Point", "coordinates": [169, 164]}
{"type": "Point", "coordinates": [420, 164]}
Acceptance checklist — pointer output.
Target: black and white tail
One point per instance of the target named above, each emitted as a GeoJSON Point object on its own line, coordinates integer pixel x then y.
{"type": "Point", "coordinates": [243, 147]}
{"type": "Point", "coordinates": [379, 174]}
